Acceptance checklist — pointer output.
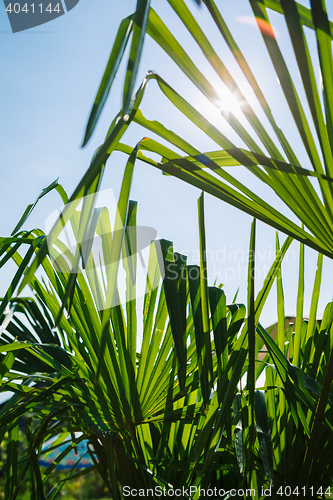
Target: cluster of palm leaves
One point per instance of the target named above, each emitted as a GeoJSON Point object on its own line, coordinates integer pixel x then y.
{"type": "Point", "coordinates": [271, 158]}
{"type": "Point", "coordinates": [182, 407]}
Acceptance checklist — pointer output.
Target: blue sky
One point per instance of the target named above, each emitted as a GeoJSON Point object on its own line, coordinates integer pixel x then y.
{"type": "Point", "coordinates": [49, 78]}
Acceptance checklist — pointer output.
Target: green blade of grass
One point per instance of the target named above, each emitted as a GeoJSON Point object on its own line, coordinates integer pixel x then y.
{"type": "Point", "coordinates": [118, 49]}
{"type": "Point", "coordinates": [324, 45]}
{"type": "Point", "coordinates": [173, 269]}
{"type": "Point", "coordinates": [264, 435]}
{"type": "Point", "coordinates": [208, 367]}
{"type": "Point", "coordinates": [139, 32]}
{"type": "Point", "coordinates": [117, 242]}
{"type": "Point", "coordinates": [251, 436]}
{"type": "Point", "coordinates": [29, 209]}
{"type": "Point", "coordinates": [297, 354]}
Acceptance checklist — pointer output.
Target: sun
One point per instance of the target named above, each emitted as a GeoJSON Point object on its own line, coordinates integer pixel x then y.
{"type": "Point", "coordinates": [226, 104]}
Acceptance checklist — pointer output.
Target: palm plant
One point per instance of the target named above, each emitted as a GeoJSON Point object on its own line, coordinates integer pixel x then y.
{"type": "Point", "coordinates": [166, 414]}
{"type": "Point", "coordinates": [150, 413]}
{"type": "Point", "coordinates": [156, 415]}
